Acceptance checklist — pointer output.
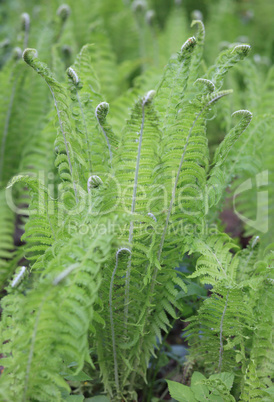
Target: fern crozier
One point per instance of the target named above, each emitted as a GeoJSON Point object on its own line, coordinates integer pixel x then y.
{"type": "Point", "coordinates": [244, 113]}
{"type": "Point", "coordinates": [149, 97]}
{"type": "Point", "coordinates": [101, 111]}
{"type": "Point", "coordinates": [72, 74]}
{"type": "Point", "coordinates": [244, 49]}
{"type": "Point", "coordinates": [25, 18]}
{"type": "Point", "coordinates": [29, 55]}
{"type": "Point", "coordinates": [63, 12]}
{"type": "Point", "coordinates": [209, 84]}
{"type": "Point", "coordinates": [188, 45]}
{"type": "Point", "coordinates": [139, 6]}
{"type": "Point", "coordinates": [150, 17]}
{"type": "Point", "coordinates": [93, 182]}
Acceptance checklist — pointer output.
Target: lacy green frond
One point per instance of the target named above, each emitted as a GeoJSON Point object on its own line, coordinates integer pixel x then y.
{"type": "Point", "coordinates": [60, 98]}
{"type": "Point", "coordinates": [49, 329]}
{"type": "Point", "coordinates": [217, 263]}
{"type": "Point", "coordinates": [41, 227]}
{"type": "Point", "coordinates": [116, 203]}
{"type": "Point", "coordinates": [218, 332]}
{"type": "Point", "coordinates": [226, 60]}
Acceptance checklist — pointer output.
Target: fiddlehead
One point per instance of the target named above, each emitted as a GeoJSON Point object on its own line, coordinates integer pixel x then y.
{"type": "Point", "coordinates": [59, 95]}
{"type": "Point", "coordinates": [101, 113]}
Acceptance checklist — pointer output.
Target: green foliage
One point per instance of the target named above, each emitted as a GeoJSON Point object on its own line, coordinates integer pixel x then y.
{"type": "Point", "coordinates": [107, 161]}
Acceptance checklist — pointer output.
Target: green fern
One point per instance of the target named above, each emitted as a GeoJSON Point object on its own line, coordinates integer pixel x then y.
{"type": "Point", "coordinates": [109, 218]}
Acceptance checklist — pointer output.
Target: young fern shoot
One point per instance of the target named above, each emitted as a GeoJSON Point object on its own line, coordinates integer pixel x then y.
{"type": "Point", "coordinates": [146, 100]}
{"type": "Point", "coordinates": [101, 113]}
{"type": "Point", "coordinates": [30, 56]}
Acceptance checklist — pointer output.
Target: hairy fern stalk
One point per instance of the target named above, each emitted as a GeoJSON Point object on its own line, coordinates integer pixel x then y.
{"type": "Point", "coordinates": [126, 198]}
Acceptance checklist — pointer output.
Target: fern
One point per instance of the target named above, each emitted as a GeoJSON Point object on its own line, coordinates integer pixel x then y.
{"type": "Point", "coordinates": [66, 283]}
{"type": "Point", "coordinates": [109, 211]}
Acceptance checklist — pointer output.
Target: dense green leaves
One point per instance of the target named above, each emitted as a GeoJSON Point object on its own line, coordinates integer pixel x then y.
{"type": "Point", "coordinates": [118, 193]}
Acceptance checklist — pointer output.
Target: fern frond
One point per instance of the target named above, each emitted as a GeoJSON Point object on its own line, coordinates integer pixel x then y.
{"type": "Point", "coordinates": [41, 227]}
{"type": "Point", "coordinates": [49, 329]}
{"type": "Point", "coordinates": [220, 328]}
{"type": "Point", "coordinates": [104, 62]}
{"type": "Point", "coordinates": [254, 389]}
{"type": "Point", "coordinates": [65, 120]}
{"type": "Point", "coordinates": [219, 179]}
{"type": "Point", "coordinates": [217, 262]}
{"type": "Point", "coordinates": [85, 97]}
{"type": "Point", "coordinates": [226, 145]}
{"type": "Point", "coordinates": [226, 60]}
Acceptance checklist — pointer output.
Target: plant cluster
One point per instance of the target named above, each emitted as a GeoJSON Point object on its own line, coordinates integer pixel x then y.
{"type": "Point", "coordinates": [119, 148]}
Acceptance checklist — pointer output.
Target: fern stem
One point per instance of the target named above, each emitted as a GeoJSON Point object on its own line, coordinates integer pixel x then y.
{"type": "Point", "coordinates": [111, 318]}
{"type": "Point", "coordinates": [30, 56]}
{"type": "Point", "coordinates": [132, 212]}
{"type": "Point", "coordinates": [221, 336]}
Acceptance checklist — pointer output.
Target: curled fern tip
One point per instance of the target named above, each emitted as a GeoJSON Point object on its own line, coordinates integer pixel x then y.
{"type": "Point", "coordinates": [25, 19]}
{"type": "Point", "coordinates": [197, 16]}
{"type": "Point", "coordinates": [242, 49]}
{"type": "Point", "coordinates": [29, 55]}
{"type": "Point", "coordinates": [122, 249]}
{"type": "Point", "coordinates": [63, 12]}
{"type": "Point", "coordinates": [101, 111]}
{"type": "Point", "coordinates": [243, 113]}
{"type": "Point", "coordinates": [149, 96]}
{"type": "Point", "coordinates": [188, 45]}
{"type": "Point", "coordinates": [72, 74]}
{"type": "Point", "coordinates": [94, 181]}
{"type": "Point", "coordinates": [209, 84]}
{"type": "Point", "coordinates": [150, 17]}
{"type": "Point", "coordinates": [138, 6]}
